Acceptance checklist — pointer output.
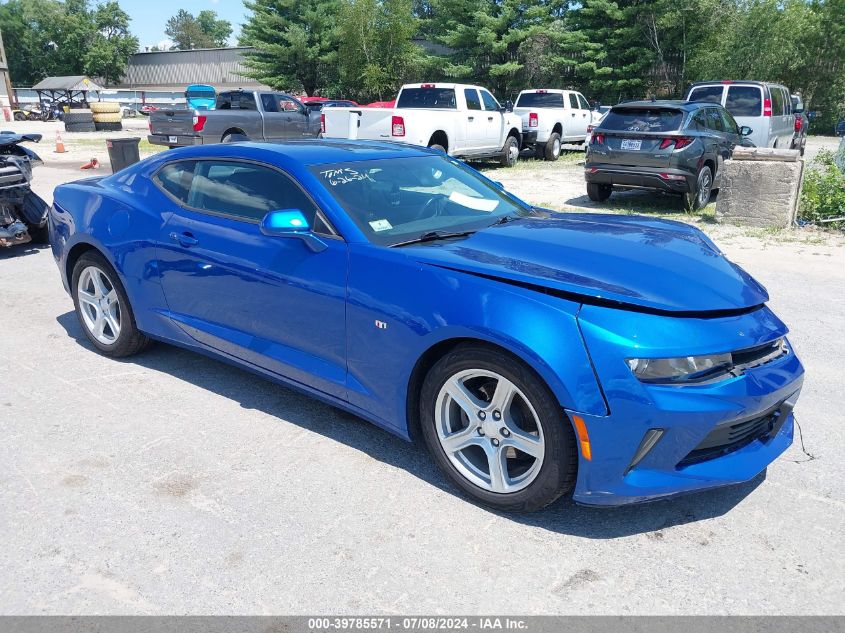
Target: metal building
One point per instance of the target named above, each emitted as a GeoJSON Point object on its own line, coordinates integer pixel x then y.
{"type": "Point", "coordinates": [223, 68]}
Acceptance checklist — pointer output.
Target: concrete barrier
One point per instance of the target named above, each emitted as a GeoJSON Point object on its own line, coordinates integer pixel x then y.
{"type": "Point", "coordinates": [760, 187]}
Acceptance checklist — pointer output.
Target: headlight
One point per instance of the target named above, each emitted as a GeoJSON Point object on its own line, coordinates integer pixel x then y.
{"type": "Point", "coordinates": [685, 369]}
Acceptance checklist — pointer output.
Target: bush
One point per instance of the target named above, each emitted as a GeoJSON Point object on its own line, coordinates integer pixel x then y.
{"type": "Point", "coordinates": [823, 196]}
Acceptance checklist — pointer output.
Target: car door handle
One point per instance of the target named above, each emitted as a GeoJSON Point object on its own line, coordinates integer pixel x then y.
{"type": "Point", "coordinates": [489, 118]}
{"type": "Point", "coordinates": [185, 239]}
{"type": "Point", "coordinates": [470, 118]}
{"type": "Point", "coordinates": [573, 114]}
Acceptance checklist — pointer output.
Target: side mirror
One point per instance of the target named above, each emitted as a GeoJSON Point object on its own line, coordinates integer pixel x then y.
{"type": "Point", "coordinates": [509, 106]}
{"type": "Point", "coordinates": [499, 184]}
{"type": "Point", "coordinates": [745, 131]}
{"type": "Point", "coordinates": [288, 223]}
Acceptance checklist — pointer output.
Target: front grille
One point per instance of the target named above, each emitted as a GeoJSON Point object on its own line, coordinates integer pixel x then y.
{"type": "Point", "coordinates": [759, 355]}
{"type": "Point", "coordinates": [728, 438]}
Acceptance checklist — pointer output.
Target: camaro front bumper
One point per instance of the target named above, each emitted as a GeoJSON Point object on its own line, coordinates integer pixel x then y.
{"type": "Point", "coordinates": [709, 434]}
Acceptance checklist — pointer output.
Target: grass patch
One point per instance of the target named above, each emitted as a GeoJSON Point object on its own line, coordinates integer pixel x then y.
{"type": "Point", "coordinates": [144, 147]}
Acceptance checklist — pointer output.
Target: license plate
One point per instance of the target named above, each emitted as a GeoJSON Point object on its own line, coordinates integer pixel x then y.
{"type": "Point", "coordinates": [175, 139]}
{"type": "Point", "coordinates": [631, 144]}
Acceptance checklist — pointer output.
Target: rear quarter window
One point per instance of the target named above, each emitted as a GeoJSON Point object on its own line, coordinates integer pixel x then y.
{"type": "Point", "coordinates": [440, 98]}
{"type": "Point", "coordinates": [744, 101]}
{"type": "Point", "coordinates": [706, 94]}
{"type": "Point", "coordinates": [643, 120]}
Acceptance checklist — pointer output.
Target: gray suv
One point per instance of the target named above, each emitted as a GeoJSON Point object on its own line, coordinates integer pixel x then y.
{"type": "Point", "coordinates": [672, 146]}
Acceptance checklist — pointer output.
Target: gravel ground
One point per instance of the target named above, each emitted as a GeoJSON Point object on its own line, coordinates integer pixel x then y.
{"type": "Point", "coordinates": [170, 483]}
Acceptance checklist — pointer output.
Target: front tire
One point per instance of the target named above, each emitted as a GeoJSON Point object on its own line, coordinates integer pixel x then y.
{"type": "Point", "coordinates": [597, 192]}
{"type": "Point", "coordinates": [496, 430]}
{"type": "Point", "coordinates": [103, 308]}
{"type": "Point", "coordinates": [510, 152]}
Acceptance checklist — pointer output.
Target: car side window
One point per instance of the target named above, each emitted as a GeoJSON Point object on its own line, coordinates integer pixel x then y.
{"type": "Point", "coordinates": [473, 102]}
{"type": "Point", "coordinates": [714, 120]}
{"type": "Point", "coordinates": [176, 178]}
{"type": "Point", "coordinates": [583, 101]}
{"type": "Point", "coordinates": [573, 101]}
{"type": "Point", "coordinates": [286, 104]}
{"type": "Point", "coordinates": [269, 103]}
{"type": "Point", "coordinates": [729, 122]}
{"type": "Point", "coordinates": [490, 102]}
{"type": "Point", "coordinates": [699, 120]}
{"type": "Point", "coordinates": [777, 101]}
{"type": "Point", "coordinates": [242, 190]}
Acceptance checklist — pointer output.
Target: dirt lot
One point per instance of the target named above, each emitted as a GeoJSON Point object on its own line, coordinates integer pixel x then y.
{"type": "Point", "coordinates": [170, 483]}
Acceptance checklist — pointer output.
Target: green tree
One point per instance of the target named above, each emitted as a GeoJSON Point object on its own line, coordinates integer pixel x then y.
{"type": "Point", "coordinates": [377, 54]}
{"type": "Point", "coordinates": [217, 30]}
{"type": "Point", "coordinates": [296, 43]}
{"type": "Point", "coordinates": [203, 31]}
{"type": "Point", "coordinates": [504, 44]}
{"type": "Point", "coordinates": [111, 43]}
{"type": "Point", "coordinates": [47, 37]}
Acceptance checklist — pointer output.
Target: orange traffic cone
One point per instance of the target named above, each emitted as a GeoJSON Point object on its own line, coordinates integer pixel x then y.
{"type": "Point", "coordinates": [60, 144]}
{"type": "Point", "coordinates": [93, 164]}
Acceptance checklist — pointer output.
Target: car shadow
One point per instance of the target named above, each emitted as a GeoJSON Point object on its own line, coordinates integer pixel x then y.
{"type": "Point", "coordinates": [563, 517]}
{"type": "Point", "coordinates": [20, 250]}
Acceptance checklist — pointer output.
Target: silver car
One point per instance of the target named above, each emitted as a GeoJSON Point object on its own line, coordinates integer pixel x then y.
{"type": "Point", "coordinates": [764, 107]}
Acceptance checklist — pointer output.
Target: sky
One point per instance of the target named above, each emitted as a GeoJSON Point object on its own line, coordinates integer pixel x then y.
{"type": "Point", "coordinates": [150, 16]}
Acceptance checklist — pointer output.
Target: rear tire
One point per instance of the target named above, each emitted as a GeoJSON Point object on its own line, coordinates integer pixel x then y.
{"type": "Point", "coordinates": [510, 152]}
{"type": "Point", "coordinates": [552, 150]}
{"type": "Point", "coordinates": [531, 418]}
{"type": "Point", "coordinates": [695, 200]}
{"type": "Point", "coordinates": [105, 302]}
{"type": "Point", "coordinates": [438, 147]}
{"type": "Point", "coordinates": [597, 192]}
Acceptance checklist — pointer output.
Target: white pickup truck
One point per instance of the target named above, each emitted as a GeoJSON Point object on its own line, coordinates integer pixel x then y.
{"type": "Point", "coordinates": [552, 117]}
{"type": "Point", "coordinates": [463, 121]}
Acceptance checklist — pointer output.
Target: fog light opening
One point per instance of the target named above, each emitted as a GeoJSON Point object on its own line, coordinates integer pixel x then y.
{"type": "Point", "coordinates": [648, 442]}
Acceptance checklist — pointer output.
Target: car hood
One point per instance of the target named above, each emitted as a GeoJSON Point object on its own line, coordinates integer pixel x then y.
{"type": "Point", "coordinates": [638, 263]}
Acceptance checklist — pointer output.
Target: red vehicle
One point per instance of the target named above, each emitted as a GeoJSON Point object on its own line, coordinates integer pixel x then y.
{"type": "Point", "coordinates": [381, 104]}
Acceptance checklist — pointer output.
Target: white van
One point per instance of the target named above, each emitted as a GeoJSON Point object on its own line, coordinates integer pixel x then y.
{"type": "Point", "coordinates": [764, 107]}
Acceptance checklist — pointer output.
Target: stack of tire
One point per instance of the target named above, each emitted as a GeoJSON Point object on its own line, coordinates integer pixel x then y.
{"type": "Point", "coordinates": [79, 121]}
{"type": "Point", "coordinates": [107, 116]}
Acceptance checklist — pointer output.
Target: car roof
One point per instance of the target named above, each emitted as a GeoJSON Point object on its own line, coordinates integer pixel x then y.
{"type": "Point", "coordinates": [667, 103]}
{"type": "Point", "coordinates": [303, 152]}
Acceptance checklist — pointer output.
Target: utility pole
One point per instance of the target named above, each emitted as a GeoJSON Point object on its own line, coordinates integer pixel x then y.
{"type": "Point", "coordinates": [4, 68]}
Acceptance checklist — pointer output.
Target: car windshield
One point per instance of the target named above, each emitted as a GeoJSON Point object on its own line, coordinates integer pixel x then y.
{"type": "Point", "coordinates": [401, 199]}
{"type": "Point", "coordinates": [643, 120]}
{"type": "Point", "coordinates": [201, 94]}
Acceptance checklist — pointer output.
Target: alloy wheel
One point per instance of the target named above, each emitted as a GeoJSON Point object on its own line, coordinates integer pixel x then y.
{"type": "Point", "coordinates": [705, 182]}
{"type": "Point", "coordinates": [99, 305]}
{"type": "Point", "coordinates": [489, 431]}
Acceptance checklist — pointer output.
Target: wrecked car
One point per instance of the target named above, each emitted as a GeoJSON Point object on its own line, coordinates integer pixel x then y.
{"type": "Point", "coordinates": [23, 213]}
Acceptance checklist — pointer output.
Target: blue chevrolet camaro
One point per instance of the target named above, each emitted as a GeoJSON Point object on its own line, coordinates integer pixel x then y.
{"type": "Point", "coordinates": [622, 359]}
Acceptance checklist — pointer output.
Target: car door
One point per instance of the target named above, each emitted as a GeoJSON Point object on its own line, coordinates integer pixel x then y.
{"type": "Point", "coordinates": [494, 122]}
{"type": "Point", "coordinates": [246, 115]}
{"type": "Point", "coordinates": [297, 117]}
{"type": "Point", "coordinates": [476, 121]}
{"type": "Point", "coordinates": [572, 118]}
{"type": "Point", "coordinates": [269, 301]}
{"type": "Point", "coordinates": [745, 103]}
{"type": "Point", "coordinates": [717, 145]}
{"type": "Point", "coordinates": [586, 114]}
{"type": "Point", "coordinates": [277, 123]}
